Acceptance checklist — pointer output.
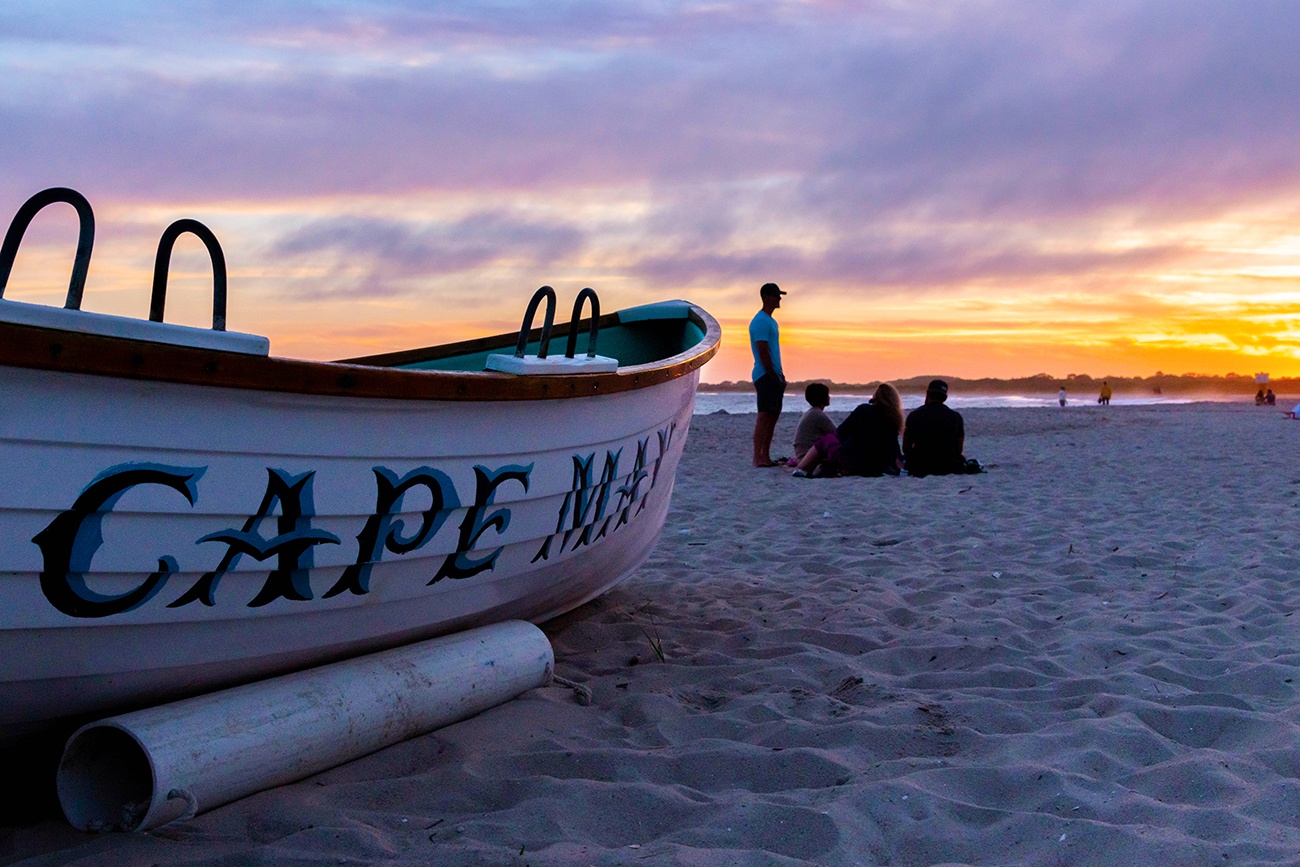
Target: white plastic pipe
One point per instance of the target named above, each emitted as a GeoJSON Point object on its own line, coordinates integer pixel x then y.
{"type": "Point", "coordinates": [144, 769]}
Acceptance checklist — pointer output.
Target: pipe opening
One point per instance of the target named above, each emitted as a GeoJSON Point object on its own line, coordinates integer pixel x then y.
{"type": "Point", "coordinates": [105, 780]}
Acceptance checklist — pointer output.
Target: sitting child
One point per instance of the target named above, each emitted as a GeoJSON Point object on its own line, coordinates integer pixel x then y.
{"type": "Point", "coordinates": [815, 422]}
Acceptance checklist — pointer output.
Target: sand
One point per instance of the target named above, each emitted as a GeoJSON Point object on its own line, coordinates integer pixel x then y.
{"type": "Point", "coordinates": [1086, 655]}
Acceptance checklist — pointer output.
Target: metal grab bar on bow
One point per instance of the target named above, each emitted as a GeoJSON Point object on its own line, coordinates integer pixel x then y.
{"type": "Point", "coordinates": [547, 293]}
{"type": "Point", "coordinates": [162, 263]}
{"type": "Point", "coordinates": [572, 347]}
{"type": "Point", "coordinates": [85, 239]}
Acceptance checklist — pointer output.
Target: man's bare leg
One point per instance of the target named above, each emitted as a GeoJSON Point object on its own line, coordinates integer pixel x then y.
{"type": "Point", "coordinates": [764, 428]}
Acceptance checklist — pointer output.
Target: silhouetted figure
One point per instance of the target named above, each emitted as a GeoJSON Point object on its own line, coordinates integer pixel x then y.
{"type": "Point", "coordinates": [769, 379]}
{"type": "Point", "coordinates": [815, 423]}
{"type": "Point", "coordinates": [935, 436]}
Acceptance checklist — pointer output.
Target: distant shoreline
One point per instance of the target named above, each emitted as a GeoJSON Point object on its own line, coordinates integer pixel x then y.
{"type": "Point", "coordinates": [1077, 385]}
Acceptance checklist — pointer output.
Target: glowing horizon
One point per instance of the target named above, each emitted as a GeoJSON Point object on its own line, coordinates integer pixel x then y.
{"type": "Point", "coordinates": [957, 187]}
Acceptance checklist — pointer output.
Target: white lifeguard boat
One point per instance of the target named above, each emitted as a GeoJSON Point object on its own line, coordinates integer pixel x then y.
{"type": "Point", "coordinates": [181, 511]}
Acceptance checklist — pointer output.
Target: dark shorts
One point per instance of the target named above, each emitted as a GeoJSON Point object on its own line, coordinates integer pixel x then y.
{"type": "Point", "coordinates": [770, 391]}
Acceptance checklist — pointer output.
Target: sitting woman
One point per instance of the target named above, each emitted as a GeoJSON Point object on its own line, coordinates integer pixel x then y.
{"type": "Point", "coordinates": [865, 444]}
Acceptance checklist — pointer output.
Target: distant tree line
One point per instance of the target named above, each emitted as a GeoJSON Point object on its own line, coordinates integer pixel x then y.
{"type": "Point", "coordinates": [1076, 384]}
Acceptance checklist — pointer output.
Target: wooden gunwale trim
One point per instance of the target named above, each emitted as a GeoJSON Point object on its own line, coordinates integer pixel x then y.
{"type": "Point", "coordinates": [97, 355]}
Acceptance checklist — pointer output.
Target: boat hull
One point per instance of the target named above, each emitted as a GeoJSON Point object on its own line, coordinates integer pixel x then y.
{"type": "Point", "coordinates": [162, 539]}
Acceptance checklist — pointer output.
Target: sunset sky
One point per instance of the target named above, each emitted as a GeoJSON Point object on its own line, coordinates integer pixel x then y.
{"type": "Point", "coordinates": [969, 187]}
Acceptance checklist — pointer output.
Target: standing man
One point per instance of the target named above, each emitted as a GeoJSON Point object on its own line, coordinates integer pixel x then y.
{"type": "Point", "coordinates": [769, 380]}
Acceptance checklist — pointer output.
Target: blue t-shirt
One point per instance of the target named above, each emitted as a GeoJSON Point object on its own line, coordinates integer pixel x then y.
{"type": "Point", "coordinates": [763, 327]}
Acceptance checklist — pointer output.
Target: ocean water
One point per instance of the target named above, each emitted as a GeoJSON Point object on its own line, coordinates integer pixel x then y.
{"type": "Point", "coordinates": [743, 402]}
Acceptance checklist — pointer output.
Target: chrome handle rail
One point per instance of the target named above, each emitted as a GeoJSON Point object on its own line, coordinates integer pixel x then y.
{"type": "Point", "coordinates": [85, 239]}
{"type": "Point", "coordinates": [547, 293]}
{"type": "Point", "coordinates": [162, 263]}
{"type": "Point", "coordinates": [572, 347]}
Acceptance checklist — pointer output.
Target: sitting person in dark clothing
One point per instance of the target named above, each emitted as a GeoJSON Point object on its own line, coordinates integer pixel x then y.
{"type": "Point", "coordinates": [935, 436]}
{"type": "Point", "coordinates": [865, 443]}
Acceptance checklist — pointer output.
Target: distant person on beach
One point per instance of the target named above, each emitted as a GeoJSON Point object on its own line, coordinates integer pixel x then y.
{"type": "Point", "coordinates": [1060, 395]}
{"type": "Point", "coordinates": [935, 436]}
{"type": "Point", "coordinates": [815, 423]}
{"type": "Point", "coordinates": [865, 443]}
{"type": "Point", "coordinates": [1270, 398]}
{"type": "Point", "coordinates": [1104, 397]}
{"type": "Point", "coordinates": [1259, 397]}
{"type": "Point", "coordinates": [769, 380]}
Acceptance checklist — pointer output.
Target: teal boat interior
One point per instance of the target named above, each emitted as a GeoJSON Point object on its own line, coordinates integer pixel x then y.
{"type": "Point", "coordinates": [637, 335]}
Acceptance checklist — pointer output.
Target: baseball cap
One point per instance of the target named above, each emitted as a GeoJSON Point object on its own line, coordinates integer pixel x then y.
{"type": "Point", "coordinates": [937, 386]}
{"type": "Point", "coordinates": [772, 289]}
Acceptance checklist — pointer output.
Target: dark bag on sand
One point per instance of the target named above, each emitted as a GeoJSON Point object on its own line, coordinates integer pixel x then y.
{"type": "Point", "coordinates": [973, 466]}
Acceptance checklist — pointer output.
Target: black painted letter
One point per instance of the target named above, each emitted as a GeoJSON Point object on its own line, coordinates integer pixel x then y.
{"type": "Point", "coordinates": [71, 540]}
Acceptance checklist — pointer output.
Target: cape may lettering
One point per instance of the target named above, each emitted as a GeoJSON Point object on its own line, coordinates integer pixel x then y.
{"type": "Point", "coordinates": [69, 543]}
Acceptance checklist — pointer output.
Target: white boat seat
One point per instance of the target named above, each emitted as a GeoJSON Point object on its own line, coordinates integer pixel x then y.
{"type": "Point", "coordinates": [107, 325]}
{"type": "Point", "coordinates": [531, 365]}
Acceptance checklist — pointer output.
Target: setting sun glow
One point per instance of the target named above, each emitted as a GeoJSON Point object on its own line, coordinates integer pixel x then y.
{"type": "Point", "coordinates": [953, 188]}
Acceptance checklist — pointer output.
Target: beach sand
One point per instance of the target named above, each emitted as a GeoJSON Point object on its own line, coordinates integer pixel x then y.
{"type": "Point", "coordinates": [1086, 655]}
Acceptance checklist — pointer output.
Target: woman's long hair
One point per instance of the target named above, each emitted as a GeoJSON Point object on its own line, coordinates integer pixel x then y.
{"type": "Point", "coordinates": [886, 397]}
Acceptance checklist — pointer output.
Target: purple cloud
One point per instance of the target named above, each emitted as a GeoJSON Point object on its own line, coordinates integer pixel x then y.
{"type": "Point", "coordinates": [377, 256]}
{"type": "Point", "coordinates": [735, 131]}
